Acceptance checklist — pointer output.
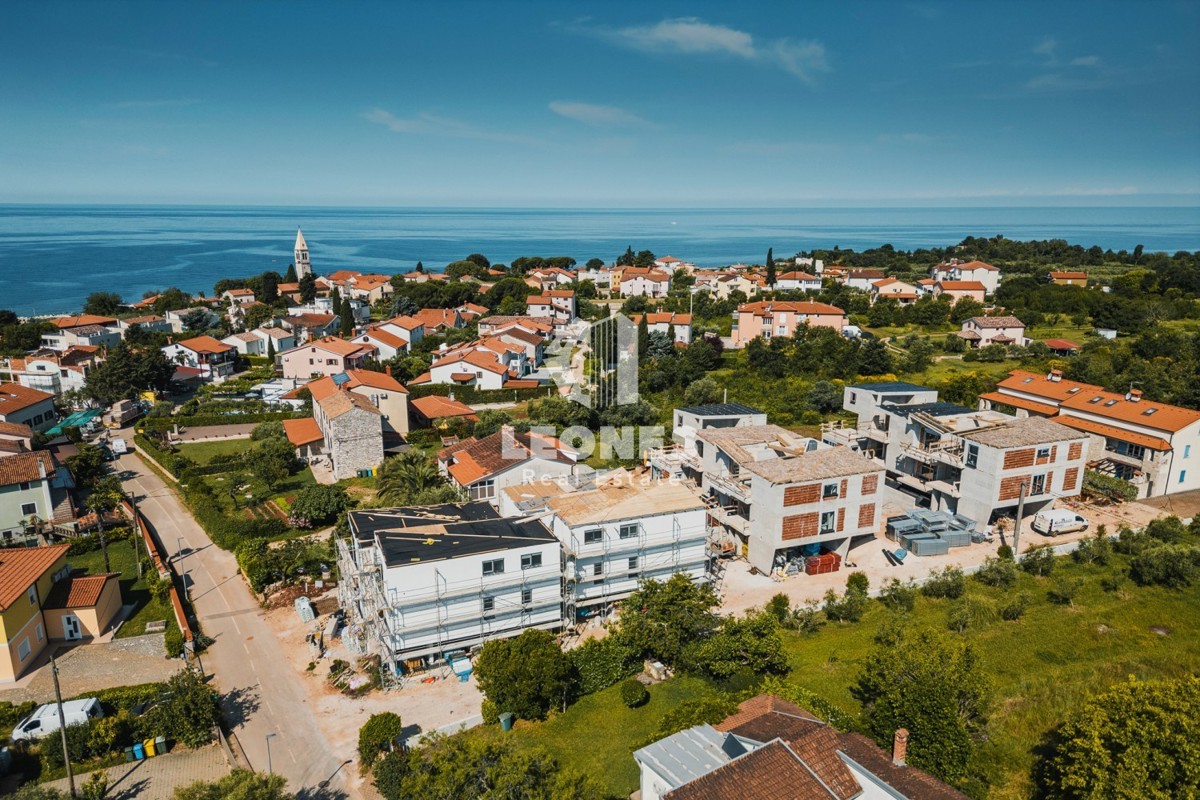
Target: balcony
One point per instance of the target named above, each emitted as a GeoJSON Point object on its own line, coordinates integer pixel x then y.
{"type": "Point", "coordinates": [942, 451]}
{"type": "Point", "coordinates": [730, 487]}
{"type": "Point", "coordinates": [673, 458]}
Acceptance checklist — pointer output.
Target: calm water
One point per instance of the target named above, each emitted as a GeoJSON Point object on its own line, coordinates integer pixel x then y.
{"type": "Point", "coordinates": [52, 257]}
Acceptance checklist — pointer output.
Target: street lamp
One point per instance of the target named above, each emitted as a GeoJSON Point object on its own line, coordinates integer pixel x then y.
{"type": "Point", "coordinates": [269, 737]}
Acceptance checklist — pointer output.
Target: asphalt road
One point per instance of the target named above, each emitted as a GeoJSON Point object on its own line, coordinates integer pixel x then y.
{"type": "Point", "coordinates": [260, 694]}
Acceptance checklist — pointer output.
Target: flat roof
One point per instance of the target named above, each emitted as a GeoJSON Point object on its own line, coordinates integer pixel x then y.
{"type": "Point", "coordinates": [623, 500]}
{"type": "Point", "coordinates": [720, 410]}
{"type": "Point", "coordinates": [939, 408]}
{"type": "Point", "coordinates": [365, 523]}
{"type": "Point", "coordinates": [888, 387]}
{"type": "Point", "coordinates": [442, 541]}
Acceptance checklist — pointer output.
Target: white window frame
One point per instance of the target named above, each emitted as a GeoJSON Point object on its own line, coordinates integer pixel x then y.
{"type": "Point", "coordinates": [832, 526]}
{"type": "Point", "coordinates": [531, 560]}
{"type": "Point", "coordinates": [490, 566]}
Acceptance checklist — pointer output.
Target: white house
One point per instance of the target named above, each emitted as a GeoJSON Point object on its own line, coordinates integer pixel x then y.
{"type": "Point", "coordinates": [890, 288]}
{"type": "Point", "coordinates": [214, 359]}
{"type": "Point", "coordinates": [955, 270]}
{"type": "Point", "coordinates": [482, 467]}
{"type": "Point", "coordinates": [644, 282]}
{"type": "Point", "coordinates": [862, 279]}
{"type": "Point", "coordinates": [24, 406]}
{"type": "Point", "coordinates": [797, 282]}
{"type": "Point", "coordinates": [983, 331]}
{"type": "Point", "coordinates": [668, 323]}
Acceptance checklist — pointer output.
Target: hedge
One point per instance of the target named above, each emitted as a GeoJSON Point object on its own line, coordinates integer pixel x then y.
{"type": "Point", "coordinates": [470, 395]}
{"type": "Point", "coordinates": [208, 420]}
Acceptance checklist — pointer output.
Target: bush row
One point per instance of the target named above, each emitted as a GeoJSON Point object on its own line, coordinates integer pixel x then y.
{"type": "Point", "coordinates": [207, 420]}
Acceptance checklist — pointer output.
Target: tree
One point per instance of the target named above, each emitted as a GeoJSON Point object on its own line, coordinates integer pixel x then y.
{"type": "Point", "coordinates": [271, 350]}
{"type": "Point", "coordinates": [933, 686]}
{"type": "Point", "coordinates": [347, 315]}
{"type": "Point", "coordinates": [1136, 740]}
{"type": "Point", "coordinates": [701, 392]}
{"type": "Point", "coordinates": [750, 643]}
{"type": "Point", "coordinates": [659, 345]}
{"type": "Point", "coordinates": [420, 268]}
{"type": "Point", "coordinates": [527, 675]}
{"type": "Point", "coordinates": [257, 314]}
{"type": "Point", "coordinates": [308, 289]}
{"type": "Point", "coordinates": [290, 275]}
{"type": "Point", "coordinates": [190, 710]}
{"type": "Point", "coordinates": [875, 359]}
{"type": "Point", "coordinates": [271, 462]}
{"type": "Point", "coordinates": [104, 304]}
{"type": "Point", "coordinates": [489, 421]}
{"type": "Point", "coordinates": [595, 263]}
{"type": "Point", "coordinates": [195, 320]}
{"type": "Point", "coordinates": [320, 503]}
{"type": "Point", "coordinates": [403, 306]}
{"type": "Point", "coordinates": [662, 619]}
{"type": "Point", "coordinates": [479, 260]}
{"type": "Point", "coordinates": [643, 337]}
{"type": "Point", "coordinates": [825, 396]}
{"type": "Point", "coordinates": [126, 373]}
{"type": "Point", "coordinates": [770, 266]}
{"type": "Point", "coordinates": [268, 291]}
{"type": "Point", "coordinates": [378, 734]}
{"type": "Point", "coordinates": [462, 269]}
{"type": "Point", "coordinates": [238, 785]}
{"type": "Point", "coordinates": [412, 479]}
{"type": "Point", "coordinates": [470, 767]}
{"type": "Point", "coordinates": [335, 298]}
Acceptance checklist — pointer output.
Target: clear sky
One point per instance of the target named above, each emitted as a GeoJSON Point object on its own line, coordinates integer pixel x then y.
{"type": "Point", "coordinates": [634, 104]}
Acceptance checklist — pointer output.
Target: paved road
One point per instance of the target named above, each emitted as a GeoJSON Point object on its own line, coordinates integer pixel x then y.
{"type": "Point", "coordinates": [260, 693]}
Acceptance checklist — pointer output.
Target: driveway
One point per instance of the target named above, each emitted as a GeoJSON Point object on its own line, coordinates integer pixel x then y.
{"type": "Point", "coordinates": [90, 667]}
{"type": "Point", "coordinates": [260, 694]}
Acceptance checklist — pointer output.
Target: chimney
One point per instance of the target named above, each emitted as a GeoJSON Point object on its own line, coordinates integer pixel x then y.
{"type": "Point", "coordinates": [388, 370]}
{"type": "Point", "coordinates": [1055, 375]}
{"type": "Point", "coordinates": [900, 747]}
{"type": "Point", "coordinates": [1133, 395]}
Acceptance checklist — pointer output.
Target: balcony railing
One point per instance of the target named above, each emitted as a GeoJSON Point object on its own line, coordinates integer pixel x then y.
{"type": "Point", "coordinates": [730, 486]}
{"type": "Point", "coordinates": [948, 452]}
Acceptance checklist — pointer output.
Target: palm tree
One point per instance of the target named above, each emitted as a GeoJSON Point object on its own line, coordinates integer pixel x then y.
{"type": "Point", "coordinates": [106, 496]}
{"type": "Point", "coordinates": [403, 478]}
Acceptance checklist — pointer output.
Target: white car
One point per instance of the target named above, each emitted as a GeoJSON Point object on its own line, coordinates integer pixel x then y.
{"type": "Point", "coordinates": [44, 720]}
{"type": "Point", "coordinates": [1059, 520]}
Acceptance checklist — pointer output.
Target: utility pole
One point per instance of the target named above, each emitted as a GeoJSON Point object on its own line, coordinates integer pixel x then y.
{"type": "Point", "coordinates": [137, 535]}
{"type": "Point", "coordinates": [1020, 514]}
{"type": "Point", "coordinates": [269, 737]}
{"type": "Point", "coordinates": [62, 725]}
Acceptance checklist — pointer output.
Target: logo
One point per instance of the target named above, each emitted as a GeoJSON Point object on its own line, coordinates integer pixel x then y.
{"type": "Point", "coordinates": [597, 366]}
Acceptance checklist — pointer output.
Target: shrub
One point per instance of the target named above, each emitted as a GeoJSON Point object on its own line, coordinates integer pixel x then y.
{"type": "Point", "coordinates": [1038, 561]}
{"type": "Point", "coordinates": [600, 663]}
{"type": "Point", "coordinates": [970, 612]}
{"type": "Point", "coordinates": [1014, 607]}
{"type": "Point", "coordinates": [1004, 553]}
{"type": "Point", "coordinates": [899, 596]}
{"type": "Point", "coordinates": [999, 572]}
{"type": "Point", "coordinates": [1112, 583]}
{"type": "Point", "coordinates": [779, 607]}
{"type": "Point", "coordinates": [688, 715]}
{"type": "Point", "coordinates": [389, 773]}
{"type": "Point", "coordinates": [750, 643]}
{"type": "Point", "coordinates": [1168, 529]}
{"type": "Point", "coordinates": [1094, 550]}
{"type": "Point", "coordinates": [633, 693]}
{"type": "Point", "coordinates": [1063, 589]}
{"type": "Point", "coordinates": [96, 786]}
{"type": "Point", "coordinates": [849, 608]}
{"type": "Point", "coordinates": [858, 582]}
{"type": "Point", "coordinates": [376, 735]}
{"type": "Point", "coordinates": [173, 638]}
{"type": "Point", "coordinates": [268, 430]}
{"type": "Point", "coordinates": [320, 503]}
{"type": "Point", "coordinates": [1173, 566]}
{"type": "Point", "coordinates": [948, 582]}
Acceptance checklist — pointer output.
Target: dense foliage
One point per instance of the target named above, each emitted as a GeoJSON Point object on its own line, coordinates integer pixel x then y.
{"type": "Point", "coordinates": [379, 733]}
{"type": "Point", "coordinates": [527, 675]}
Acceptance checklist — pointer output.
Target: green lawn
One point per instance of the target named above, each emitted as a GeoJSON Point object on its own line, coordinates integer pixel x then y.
{"type": "Point", "coordinates": [204, 452]}
{"type": "Point", "coordinates": [1042, 666]}
{"type": "Point", "coordinates": [121, 559]}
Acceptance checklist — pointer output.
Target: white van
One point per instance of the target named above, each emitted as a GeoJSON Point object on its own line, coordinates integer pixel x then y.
{"type": "Point", "coordinates": [1059, 520]}
{"type": "Point", "coordinates": [44, 720]}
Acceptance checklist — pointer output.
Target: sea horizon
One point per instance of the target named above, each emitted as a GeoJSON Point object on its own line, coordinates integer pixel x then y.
{"type": "Point", "coordinates": [53, 255]}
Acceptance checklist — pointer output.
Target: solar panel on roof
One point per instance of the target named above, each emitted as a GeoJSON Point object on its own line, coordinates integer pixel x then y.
{"type": "Point", "coordinates": [341, 379]}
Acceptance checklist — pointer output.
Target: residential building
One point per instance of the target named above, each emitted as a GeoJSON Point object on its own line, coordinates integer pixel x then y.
{"type": "Point", "coordinates": [238, 297]}
{"type": "Point", "coordinates": [770, 749]}
{"type": "Point", "coordinates": [983, 331]}
{"type": "Point", "coordinates": [892, 289]}
{"type": "Point", "coordinates": [433, 410]}
{"type": "Point", "coordinates": [970, 462]}
{"type": "Point", "coordinates": [1062, 347]}
{"type": "Point", "coordinates": [482, 467]}
{"type": "Point", "coordinates": [247, 344]}
{"type": "Point", "coordinates": [773, 490]}
{"type": "Point", "coordinates": [1154, 446]}
{"type": "Point", "coordinates": [668, 323]}
{"type": "Point", "coordinates": [643, 282]}
{"type": "Point", "coordinates": [1069, 278]}
{"type": "Point", "coordinates": [770, 318]}
{"type": "Point", "coordinates": [549, 278]}
{"type": "Point", "coordinates": [41, 601]}
{"type": "Point", "coordinates": [387, 344]}
{"type": "Point", "coordinates": [204, 318]}
{"type": "Point", "coordinates": [52, 371]}
{"type": "Point", "coordinates": [88, 330]}
{"type": "Point", "coordinates": [305, 435]}
{"type": "Point", "coordinates": [280, 338]}
{"type": "Point", "coordinates": [955, 270]}
{"type": "Point", "coordinates": [328, 355]}
{"type": "Point", "coordinates": [370, 289]}
{"type": "Point", "coordinates": [680, 459]}
{"type": "Point", "coordinates": [473, 311]}
{"type": "Point", "coordinates": [957, 290]}
{"type": "Point", "coordinates": [817, 265]}
{"type": "Point", "coordinates": [146, 322]}
{"type": "Point", "coordinates": [300, 256]}
{"type": "Point", "coordinates": [353, 432]}
{"type": "Point", "coordinates": [624, 531]}
{"type": "Point", "coordinates": [213, 358]}
{"type": "Point", "coordinates": [798, 282]}
{"type": "Point", "coordinates": [495, 324]}
{"type": "Point", "coordinates": [556, 306]}
{"type": "Point", "coordinates": [410, 329]}
{"type": "Point", "coordinates": [34, 489]}
{"type": "Point", "coordinates": [380, 388]}
{"type": "Point", "coordinates": [419, 583]}
{"type": "Point", "coordinates": [863, 279]}
{"type": "Point", "coordinates": [437, 320]}
{"type": "Point", "coordinates": [15, 438]}
{"type": "Point", "coordinates": [25, 406]}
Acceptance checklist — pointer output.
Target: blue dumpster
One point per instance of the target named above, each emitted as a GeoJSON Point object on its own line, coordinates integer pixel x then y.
{"type": "Point", "coordinates": [506, 721]}
{"type": "Point", "coordinates": [139, 752]}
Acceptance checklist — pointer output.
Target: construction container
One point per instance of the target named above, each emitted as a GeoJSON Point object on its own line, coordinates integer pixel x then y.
{"type": "Point", "coordinates": [822, 564]}
{"type": "Point", "coordinates": [957, 538]}
{"type": "Point", "coordinates": [930, 547]}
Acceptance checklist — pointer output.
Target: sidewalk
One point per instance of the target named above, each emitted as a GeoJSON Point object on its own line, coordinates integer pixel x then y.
{"type": "Point", "coordinates": [157, 778]}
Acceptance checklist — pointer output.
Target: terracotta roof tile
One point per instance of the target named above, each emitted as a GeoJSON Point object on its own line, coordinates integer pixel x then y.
{"type": "Point", "coordinates": [78, 591]}
{"type": "Point", "coordinates": [764, 307]}
{"type": "Point", "coordinates": [21, 567]}
{"type": "Point", "coordinates": [435, 407]}
{"type": "Point", "coordinates": [205, 344]}
{"type": "Point", "coordinates": [772, 772]}
{"type": "Point", "coordinates": [16, 429]}
{"type": "Point", "coordinates": [910, 781]}
{"type": "Point", "coordinates": [302, 431]}
{"type": "Point", "coordinates": [962, 286]}
{"type": "Point", "coordinates": [25, 467]}
{"type": "Point", "coordinates": [14, 397]}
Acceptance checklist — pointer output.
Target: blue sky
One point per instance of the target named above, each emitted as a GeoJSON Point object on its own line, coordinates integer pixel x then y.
{"type": "Point", "coordinates": [601, 104]}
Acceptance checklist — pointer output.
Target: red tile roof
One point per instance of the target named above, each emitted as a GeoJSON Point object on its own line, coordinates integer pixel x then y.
{"type": "Point", "coordinates": [435, 407]}
{"type": "Point", "coordinates": [80, 320]}
{"type": "Point", "coordinates": [1060, 344]}
{"type": "Point", "coordinates": [15, 397]}
{"type": "Point", "coordinates": [1019, 402]}
{"type": "Point", "coordinates": [1087, 426]}
{"type": "Point", "coordinates": [206, 344]}
{"type": "Point", "coordinates": [302, 431]}
{"type": "Point", "coordinates": [21, 567]}
{"type": "Point", "coordinates": [962, 286]}
{"type": "Point", "coordinates": [764, 307]}
{"type": "Point", "coordinates": [772, 772]}
{"type": "Point", "coordinates": [78, 591]}
{"type": "Point", "coordinates": [25, 467]}
{"type": "Point", "coordinates": [16, 429]}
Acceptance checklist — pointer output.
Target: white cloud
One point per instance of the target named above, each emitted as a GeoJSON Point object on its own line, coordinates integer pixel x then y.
{"type": "Point", "coordinates": [1086, 61]}
{"type": "Point", "coordinates": [598, 115]}
{"type": "Point", "coordinates": [1047, 47]}
{"type": "Point", "coordinates": [802, 58]}
{"type": "Point", "coordinates": [432, 124]}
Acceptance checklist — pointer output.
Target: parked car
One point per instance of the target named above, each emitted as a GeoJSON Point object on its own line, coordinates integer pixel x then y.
{"type": "Point", "coordinates": [44, 720]}
{"type": "Point", "coordinates": [118, 447]}
{"type": "Point", "coordinates": [1059, 520]}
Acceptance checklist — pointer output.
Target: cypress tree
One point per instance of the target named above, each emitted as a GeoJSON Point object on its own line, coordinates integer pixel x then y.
{"type": "Point", "coordinates": [770, 266]}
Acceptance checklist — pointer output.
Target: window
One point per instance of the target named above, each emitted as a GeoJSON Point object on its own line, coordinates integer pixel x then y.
{"type": "Point", "coordinates": [594, 536]}
{"type": "Point", "coordinates": [828, 521]}
{"type": "Point", "coordinates": [1149, 411]}
{"type": "Point", "coordinates": [1110, 403]}
{"type": "Point", "coordinates": [527, 597]}
{"type": "Point", "coordinates": [32, 595]}
{"type": "Point", "coordinates": [1043, 452]}
{"type": "Point", "coordinates": [28, 509]}
{"type": "Point", "coordinates": [482, 490]}
{"type": "Point", "coordinates": [1182, 475]}
{"type": "Point", "coordinates": [1038, 484]}
{"type": "Point", "coordinates": [23, 649]}
{"type": "Point", "coordinates": [829, 490]}
{"type": "Point", "coordinates": [598, 568]}
{"type": "Point", "coordinates": [531, 560]}
{"type": "Point", "coordinates": [629, 531]}
{"type": "Point", "coordinates": [1187, 451]}
{"type": "Point", "coordinates": [24, 486]}
{"type": "Point", "coordinates": [489, 604]}
{"type": "Point", "coordinates": [41, 634]}
{"type": "Point", "coordinates": [633, 562]}
{"type": "Point", "coordinates": [494, 567]}
{"type": "Point", "coordinates": [972, 456]}
{"type": "Point", "coordinates": [853, 398]}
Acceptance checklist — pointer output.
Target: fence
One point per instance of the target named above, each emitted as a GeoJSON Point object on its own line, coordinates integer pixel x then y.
{"type": "Point", "coordinates": [163, 565]}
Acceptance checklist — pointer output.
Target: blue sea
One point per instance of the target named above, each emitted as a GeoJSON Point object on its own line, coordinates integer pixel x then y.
{"type": "Point", "coordinates": [53, 257]}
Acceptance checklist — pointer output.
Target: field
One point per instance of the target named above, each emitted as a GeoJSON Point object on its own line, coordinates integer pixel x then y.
{"type": "Point", "coordinates": [262, 501]}
{"type": "Point", "coordinates": [204, 452]}
{"type": "Point", "coordinates": [1041, 666]}
{"type": "Point", "coordinates": [133, 590]}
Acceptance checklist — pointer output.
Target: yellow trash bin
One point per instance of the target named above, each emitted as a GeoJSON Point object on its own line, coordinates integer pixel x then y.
{"type": "Point", "coordinates": [149, 747]}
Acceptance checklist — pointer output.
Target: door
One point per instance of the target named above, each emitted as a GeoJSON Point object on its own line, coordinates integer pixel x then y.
{"type": "Point", "coordinates": [71, 628]}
